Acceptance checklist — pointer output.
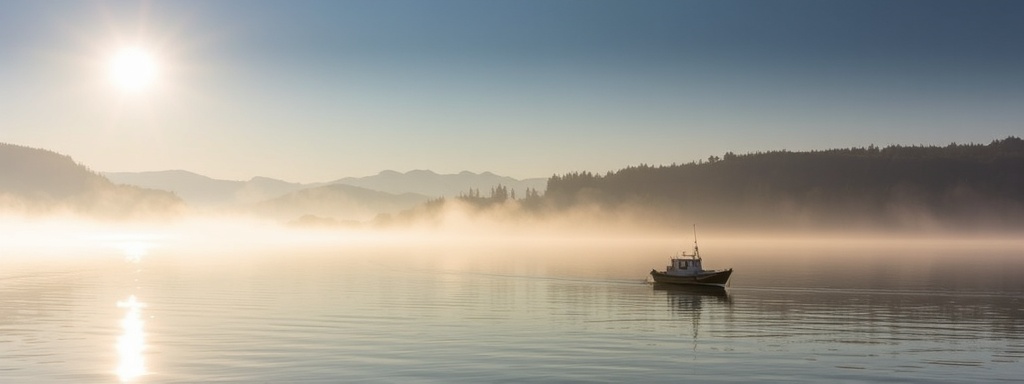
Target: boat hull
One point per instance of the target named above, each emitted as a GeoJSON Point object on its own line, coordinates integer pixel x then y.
{"type": "Point", "coordinates": [716, 278]}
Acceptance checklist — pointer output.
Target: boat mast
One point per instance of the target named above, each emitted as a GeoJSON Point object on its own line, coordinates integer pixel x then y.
{"type": "Point", "coordinates": [695, 251]}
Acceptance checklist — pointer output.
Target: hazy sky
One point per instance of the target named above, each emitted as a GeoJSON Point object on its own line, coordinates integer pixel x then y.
{"type": "Point", "coordinates": [318, 90]}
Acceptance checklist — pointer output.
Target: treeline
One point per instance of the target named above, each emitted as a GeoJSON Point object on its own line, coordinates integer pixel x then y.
{"type": "Point", "coordinates": [959, 184]}
{"type": "Point", "coordinates": [499, 196]}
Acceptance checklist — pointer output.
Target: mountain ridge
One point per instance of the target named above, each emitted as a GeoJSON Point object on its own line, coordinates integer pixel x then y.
{"type": "Point", "coordinates": [205, 191]}
{"type": "Point", "coordinates": [346, 199]}
{"type": "Point", "coordinates": [440, 185]}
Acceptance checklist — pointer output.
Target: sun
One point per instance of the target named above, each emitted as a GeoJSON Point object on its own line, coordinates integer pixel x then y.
{"type": "Point", "coordinates": [133, 69]}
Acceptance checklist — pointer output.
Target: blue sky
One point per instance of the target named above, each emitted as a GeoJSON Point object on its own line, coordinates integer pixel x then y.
{"type": "Point", "coordinates": [318, 90]}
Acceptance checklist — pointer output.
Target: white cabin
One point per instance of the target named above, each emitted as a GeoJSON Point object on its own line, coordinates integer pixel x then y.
{"type": "Point", "coordinates": [685, 265]}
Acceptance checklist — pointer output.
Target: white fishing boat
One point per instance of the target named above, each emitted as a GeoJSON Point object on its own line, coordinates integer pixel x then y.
{"type": "Point", "coordinates": [687, 269]}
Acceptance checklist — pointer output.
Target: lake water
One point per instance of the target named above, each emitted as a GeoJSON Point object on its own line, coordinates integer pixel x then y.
{"type": "Point", "coordinates": [800, 311]}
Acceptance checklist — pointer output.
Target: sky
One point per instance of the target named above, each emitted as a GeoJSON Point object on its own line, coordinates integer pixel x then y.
{"type": "Point", "coordinates": [312, 91]}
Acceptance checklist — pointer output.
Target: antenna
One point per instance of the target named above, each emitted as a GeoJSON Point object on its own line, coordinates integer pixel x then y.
{"type": "Point", "coordinates": [695, 251]}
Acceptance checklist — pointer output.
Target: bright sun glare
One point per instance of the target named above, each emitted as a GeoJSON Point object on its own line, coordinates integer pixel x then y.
{"type": "Point", "coordinates": [133, 69]}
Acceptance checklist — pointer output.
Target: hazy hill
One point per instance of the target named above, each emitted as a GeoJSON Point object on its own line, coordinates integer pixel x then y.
{"type": "Point", "coordinates": [351, 198]}
{"type": "Point", "coordinates": [202, 191]}
{"type": "Point", "coordinates": [339, 201]}
{"type": "Point", "coordinates": [432, 184]}
{"type": "Point", "coordinates": [38, 181]}
{"type": "Point", "coordinates": [969, 185]}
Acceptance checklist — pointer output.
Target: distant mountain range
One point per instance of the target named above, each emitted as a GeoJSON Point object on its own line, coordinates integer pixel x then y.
{"type": "Point", "coordinates": [202, 191]}
{"type": "Point", "coordinates": [38, 181]}
{"type": "Point", "coordinates": [436, 185]}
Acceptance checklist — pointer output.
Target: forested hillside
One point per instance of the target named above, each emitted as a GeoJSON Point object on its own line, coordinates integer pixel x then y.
{"type": "Point", "coordinates": [958, 185]}
{"type": "Point", "coordinates": [37, 181]}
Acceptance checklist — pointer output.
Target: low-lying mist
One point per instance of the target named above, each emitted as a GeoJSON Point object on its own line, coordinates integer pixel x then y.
{"type": "Point", "coordinates": [460, 225]}
{"type": "Point", "coordinates": [592, 245]}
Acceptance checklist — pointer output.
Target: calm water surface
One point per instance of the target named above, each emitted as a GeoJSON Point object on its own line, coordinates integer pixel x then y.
{"type": "Point", "coordinates": [512, 313]}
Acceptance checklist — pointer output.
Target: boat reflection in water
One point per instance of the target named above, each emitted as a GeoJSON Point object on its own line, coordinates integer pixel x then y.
{"type": "Point", "coordinates": [693, 297]}
{"type": "Point", "coordinates": [691, 290]}
{"type": "Point", "coordinates": [690, 301]}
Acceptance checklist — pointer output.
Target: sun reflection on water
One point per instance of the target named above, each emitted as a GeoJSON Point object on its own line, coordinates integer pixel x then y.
{"type": "Point", "coordinates": [132, 341]}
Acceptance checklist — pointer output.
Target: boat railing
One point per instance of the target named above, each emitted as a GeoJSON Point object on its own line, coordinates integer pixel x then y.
{"type": "Point", "coordinates": [684, 255]}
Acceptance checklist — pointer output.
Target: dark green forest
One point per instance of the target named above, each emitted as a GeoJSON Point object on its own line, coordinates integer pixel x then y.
{"type": "Point", "coordinates": [954, 186]}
